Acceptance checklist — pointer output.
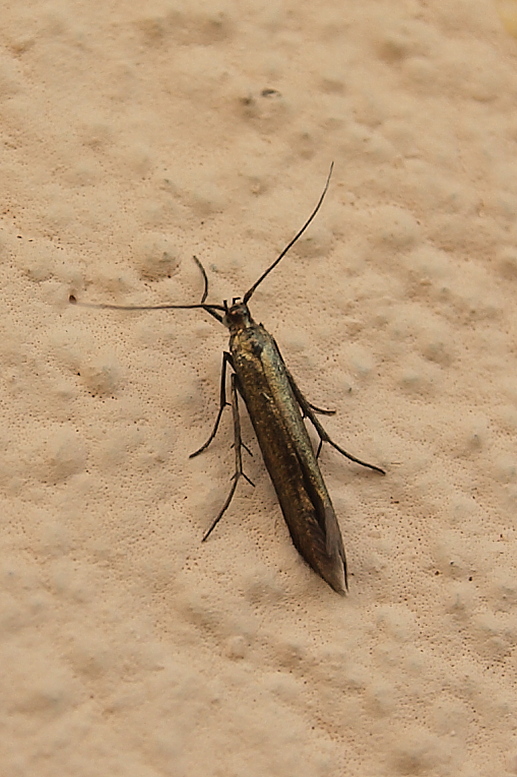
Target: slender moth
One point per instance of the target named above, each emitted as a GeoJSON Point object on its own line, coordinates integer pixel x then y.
{"type": "Point", "coordinates": [276, 407]}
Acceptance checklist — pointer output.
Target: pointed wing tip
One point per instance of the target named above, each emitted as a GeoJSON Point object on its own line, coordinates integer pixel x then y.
{"type": "Point", "coordinates": [337, 580]}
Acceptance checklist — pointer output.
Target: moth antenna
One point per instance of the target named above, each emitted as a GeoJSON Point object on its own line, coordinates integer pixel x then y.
{"type": "Point", "coordinates": [292, 242]}
{"type": "Point", "coordinates": [105, 306]}
{"type": "Point", "coordinates": [205, 279]}
{"type": "Point", "coordinates": [211, 309]}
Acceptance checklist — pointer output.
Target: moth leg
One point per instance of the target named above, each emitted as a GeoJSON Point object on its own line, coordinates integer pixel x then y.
{"type": "Point", "coordinates": [316, 409]}
{"type": "Point", "coordinates": [307, 410]}
{"type": "Point", "coordinates": [320, 410]}
{"type": "Point", "coordinates": [227, 359]}
{"type": "Point", "coordinates": [238, 444]}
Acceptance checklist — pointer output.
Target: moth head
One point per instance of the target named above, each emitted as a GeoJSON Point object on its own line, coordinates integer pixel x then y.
{"type": "Point", "coordinates": [236, 316]}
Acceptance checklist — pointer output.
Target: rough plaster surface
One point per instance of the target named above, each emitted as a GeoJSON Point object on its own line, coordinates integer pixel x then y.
{"type": "Point", "coordinates": [134, 136]}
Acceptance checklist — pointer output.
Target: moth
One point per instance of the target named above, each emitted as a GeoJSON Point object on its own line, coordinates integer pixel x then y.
{"type": "Point", "coordinates": [277, 409]}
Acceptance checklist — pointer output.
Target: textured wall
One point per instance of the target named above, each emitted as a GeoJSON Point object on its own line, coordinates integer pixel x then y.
{"type": "Point", "coordinates": [134, 136]}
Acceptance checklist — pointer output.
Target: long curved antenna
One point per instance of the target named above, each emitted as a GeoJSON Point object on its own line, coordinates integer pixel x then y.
{"type": "Point", "coordinates": [211, 309]}
{"type": "Point", "coordinates": [205, 279]}
{"type": "Point", "coordinates": [104, 306]}
{"type": "Point", "coordinates": [293, 241]}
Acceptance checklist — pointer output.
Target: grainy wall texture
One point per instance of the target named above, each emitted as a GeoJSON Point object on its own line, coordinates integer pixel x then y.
{"type": "Point", "coordinates": [135, 135]}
